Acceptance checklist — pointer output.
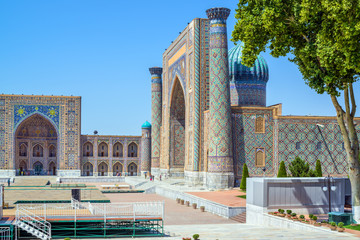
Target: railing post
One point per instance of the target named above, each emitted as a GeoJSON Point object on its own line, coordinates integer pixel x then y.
{"type": "Point", "coordinates": [45, 211]}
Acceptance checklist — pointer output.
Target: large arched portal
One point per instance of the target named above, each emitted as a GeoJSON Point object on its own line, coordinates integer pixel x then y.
{"type": "Point", "coordinates": [36, 147]}
{"type": "Point", "coordinates": [177, 129]}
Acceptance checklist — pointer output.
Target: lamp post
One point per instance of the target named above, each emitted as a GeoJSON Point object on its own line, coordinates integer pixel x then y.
{"type": "Point", "coordinates": [330, 187]}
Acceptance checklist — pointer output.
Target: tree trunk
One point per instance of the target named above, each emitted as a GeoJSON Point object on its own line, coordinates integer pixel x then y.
{"type": "Point", "coordinates": [345, 120]}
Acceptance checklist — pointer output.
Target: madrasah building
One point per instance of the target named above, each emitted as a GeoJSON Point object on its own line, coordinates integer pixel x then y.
{"type": "Point", "coordinates": [209, 117]}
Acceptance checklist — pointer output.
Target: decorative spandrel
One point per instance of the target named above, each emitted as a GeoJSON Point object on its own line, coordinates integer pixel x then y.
{"type": "Point", "coordinates": [23, 111]}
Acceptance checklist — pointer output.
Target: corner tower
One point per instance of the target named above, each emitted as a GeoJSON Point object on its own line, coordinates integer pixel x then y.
{"type": "Point", "coordinates": [220, 157]}
{"type": "Point", "coordinates": [145, 147]}
{"type": "Point", "coordinates": [156, 115]}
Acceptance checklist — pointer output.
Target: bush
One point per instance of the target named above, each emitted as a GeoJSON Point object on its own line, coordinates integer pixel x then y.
{"type": "Point", "coordinates": [340, 224]}
{"type": "Point", "coordinates": [196, 236]}
{"type": "Point", "coordinates": [67, 238]}
{"type": "Point", "coordinates": [302, 216]}
{"type": "Point", "coordinates": [300, 168]}
{"type": "Point", "coordinates": [318, 170]}
{"type": "Point", "coordinates": [311, 216]}
{"type": "Point", "coordinates": [288, 211]}
{"type": "Point", "coordinates": [314, 218]}
{"type": "Point", "coordinates": [293, 214]}
{"type": "Point", "coordinates": [245, 174]}
{"type": "Point", "coordinates": [281, 210]}
{"type": "Point", "coordinates": [282, 170]}
{"type": "Point", "coordinates": [333, 224]}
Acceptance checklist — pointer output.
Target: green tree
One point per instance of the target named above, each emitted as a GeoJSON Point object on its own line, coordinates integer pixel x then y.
{"type": "Point", "coordinates": [300, 168]}
{"type": "Point", "coordinates": [282, 170]}
{"type": "Point", "coordinates": [318, 168]}
{"type": "Point", "coordinates": [245, 174]}
{"type": "Point", "coordinates": [322, 39]}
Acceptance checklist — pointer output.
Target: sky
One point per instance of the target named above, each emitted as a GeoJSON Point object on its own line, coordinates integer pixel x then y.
{"type": "Point", "coordinates": [102, 50]}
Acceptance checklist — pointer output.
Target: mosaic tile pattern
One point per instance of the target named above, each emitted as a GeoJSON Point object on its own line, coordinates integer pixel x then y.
{"type": "Point", "coordinates": [220, 157]}
{"type": "Point", "coordinates": [156, 115]}
{"type": "Point", "coordinates": [146, 150]}
{"type": "Point", "coordinates": [23, 111]}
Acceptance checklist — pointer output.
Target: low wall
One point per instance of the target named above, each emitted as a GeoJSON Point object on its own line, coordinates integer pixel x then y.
{"type": "Point", "coordinates": [212, 207]}
{"type": "Point", "coordinates": [90, 179]}
{"type": "Point", "coordinates": [256, 215]}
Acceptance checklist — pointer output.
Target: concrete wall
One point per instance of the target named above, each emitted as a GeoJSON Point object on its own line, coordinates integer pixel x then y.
{"type": "Point", "coordinates": [302, 195]}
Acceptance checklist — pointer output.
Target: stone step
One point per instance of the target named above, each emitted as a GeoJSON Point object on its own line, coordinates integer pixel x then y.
{"type": "Point", "coordinates": [33, 180]}
{"type": "Point", "coordinates": [241, 218]}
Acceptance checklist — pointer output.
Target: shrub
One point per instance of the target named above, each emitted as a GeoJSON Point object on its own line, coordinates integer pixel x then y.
{"type": "Point", "coordinates": [340, 224]}
{"type": "Point", "coordinates": [196, 236]}
{"type": "Point", "coordinates": [282, 170]}
{"type": "Point", "coordinates": [333, 224]}
{"type": "Point", "coordinates": [67, 238]}
{"type": "Point", "coordinates": [318, 170]}
{"type": "Point", "coordinates": [288, 211]}
{"type": "Point", "coordinates": [293, 214]}
{"type": "Point", "coordinates": [302, 216]}
{"type": "Point", "coordinates": [281, 210]}
{"type": "Point", "coordinates": [300, 168]}
{"type": "Point", "coordinates": [311, 216]}
{"type": "Point", "coordinates": [324, 221]}
{"type": "Point", "coordinates": [314, 218]}
{"type": "Point", "coordinates": [245, 174]}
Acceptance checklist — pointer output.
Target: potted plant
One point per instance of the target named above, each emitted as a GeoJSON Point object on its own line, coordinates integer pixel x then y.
{"type": "Point", "coordinates": [302, 218]}
{"type": "Point", "coordinates": [340, 227]}
{"type": "Point", "coordinates": [196, 236]}
{"type": "Point", "coordinates": [186, 238]}
{"type": "Point", "coordinates": [182, 201]}
{"type": "Point", "coordinates": [333, 226]}
{"type": "Point", "coordinates": [314, 218]}
{"type": "Point", "coordinates": [194, 205]}
{"type": "Point", "coordinates": [281, 212]}
{"type": "Point", "coordinates": [288, 213]}
{"type": "Point", "coordinates": [311, 216]}
{"type": "Point", "coordinates": [294, 217]}
{"type": "Point", "coordinates": [202, 208]}
{"type": "Point", "coordinates": [187, 203]}
{"type": "Point", "coordinates": [178, 200]}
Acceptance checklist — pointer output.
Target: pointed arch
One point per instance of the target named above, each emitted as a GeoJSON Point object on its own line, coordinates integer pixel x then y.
{"type": "Point", "coordinates": [118, 149]}
{"type": "Point", "coordinates": [52, 150]}
{"type": "Point", "coordinates": [133, 150]}
{"type": "Point", "coordinates": [103, 169]}
{"type": "Point", "coordinates": [132, 169]}
{"type": "Point", "coordinates": [88, 169]}
{"type": "Point", "coordinates": [103, 149]}
{"type": "Point", "coordinates": [88, 149]}
{"type": "Point", "coordinates": [38, 150]}
{"type": "Point", "coordinates": [117, 169]}
{"type": "Point", "coordinates": [23, 149]}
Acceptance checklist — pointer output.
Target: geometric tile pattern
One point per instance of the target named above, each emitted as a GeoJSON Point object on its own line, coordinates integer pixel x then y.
{"type": "Point", "coordinates": [23, 111]}
{"type": "Point", "coordinates": [220, 158]}
{"type": "Point", "coordinates": [156, 115]}
{"type": "Point", "coordinates": [146, 150]}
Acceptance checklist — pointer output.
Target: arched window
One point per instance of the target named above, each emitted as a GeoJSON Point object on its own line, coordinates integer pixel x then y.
{"type": "Point", "coordinates": [259, 157]}
{"type": "Point", "coordinates": [102, 169]}
{"type": "Point", "coordinates": [52, 151]}
{"type": "Point", "coordinates": [88, 169]}
{"type": "Point", "coordinates": [117, 169]}
{"type": "Point", "coordinates": [38, 151]}
{"type": "Point", "coordinates": [118, 150]}
{"type": "Point", "coordinates": [88, 149]}
{"type": "Point", "coordinates": [132, 169]}
{"type": "Point", "coordinates": [23, 150]}
{"type": "Point", "coordinates": [132, 150]}
{"type": "Point", "coordinates": [260, 125]}
{"type": "Point", "coordinates": [103, 150]}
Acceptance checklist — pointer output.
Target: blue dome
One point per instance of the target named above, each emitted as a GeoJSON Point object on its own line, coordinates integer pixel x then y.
{"type": "Point", "coordinates": [238, 72]}
{"type": "Point", "coordinates": [146, 125]}
{"type": "Point", "coordinates": [247, 84]}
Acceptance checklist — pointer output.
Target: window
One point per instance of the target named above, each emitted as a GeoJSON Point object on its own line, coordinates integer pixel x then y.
{"type": "Point", "coordinates": [318, 146]}
{"type": "Point", "coordinates": [259, 125]}
{"type": "Point", "coordinates": [298, 145]}
{"type": "Point", "coordinates": [259, 157]}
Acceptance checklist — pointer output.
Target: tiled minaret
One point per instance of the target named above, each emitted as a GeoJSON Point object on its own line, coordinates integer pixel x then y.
{"type": "Point", "coordinates": [145, 148]}
{"type": "Point", "coordinates": [156, 113]}
{"type": "Point", "coordinates": [220, 159]}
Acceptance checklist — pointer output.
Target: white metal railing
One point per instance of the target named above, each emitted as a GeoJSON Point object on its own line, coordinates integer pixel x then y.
{"type": "Point", "coordinates": [29, 218]}
{"type": "Point", "coordinates": [5, 233]}
{"type": "Point", "coordinates": [105, 210]}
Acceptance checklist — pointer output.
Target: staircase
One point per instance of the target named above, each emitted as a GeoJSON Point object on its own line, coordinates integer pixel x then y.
{"type": "Point", "coordinates": [34, 225]}
{"type": "Point", "coordinates": [241, 218]}
{"type": "Point", "coordinates": [33, 180]}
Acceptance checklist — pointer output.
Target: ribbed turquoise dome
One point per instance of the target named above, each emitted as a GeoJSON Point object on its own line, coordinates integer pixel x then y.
{"type": "Point", "coordinates": [146, 125]}
{"type": "Point", "coordinates": [238, 72]}
{"type": "Point", "coordinates": [247, 84]}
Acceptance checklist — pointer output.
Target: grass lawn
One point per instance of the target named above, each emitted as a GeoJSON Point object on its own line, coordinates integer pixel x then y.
{"type": "Point", "coordinates": [242, 196]}
{"type": "Point", "coordinates": [357, 228]}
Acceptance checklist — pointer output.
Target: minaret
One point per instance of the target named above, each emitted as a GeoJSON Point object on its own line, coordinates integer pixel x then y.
{"type": "Point", "coordinates": [145, 148]}
{"type": "Point", "coordinates": [220, 159]}
{"type": "Point", "coordinates": [156, 115]}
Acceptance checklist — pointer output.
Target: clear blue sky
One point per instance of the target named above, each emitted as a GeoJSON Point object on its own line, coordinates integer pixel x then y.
{"type": "Point", "coordinates": [102, 49]}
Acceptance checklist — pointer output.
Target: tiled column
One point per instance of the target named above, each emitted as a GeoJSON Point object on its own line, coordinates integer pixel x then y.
{"type": "Point", "coordinates": [145, 150]}
{"type": "Point", "coordinates": [156, 104]}
{"type": "Point", "coordinates": [220, 159]}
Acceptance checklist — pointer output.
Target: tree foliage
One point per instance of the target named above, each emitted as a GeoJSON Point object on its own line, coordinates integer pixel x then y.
{"type": "Point", "coordinates": [300, 168]}
{"type": "Point", "coordinates": [318, 169]}
{"type": "Point", "coordinates": [322, 38]}
{"type": "Point", "coordinates": [245, 174]}
{"type": "Point", "coordinates": [282, 170]}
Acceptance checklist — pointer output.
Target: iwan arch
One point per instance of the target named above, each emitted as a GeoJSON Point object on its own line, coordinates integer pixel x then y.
{"type": "Point", "coordinates": [209, 117]}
